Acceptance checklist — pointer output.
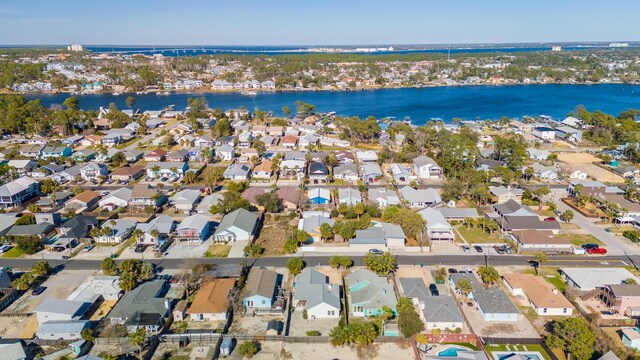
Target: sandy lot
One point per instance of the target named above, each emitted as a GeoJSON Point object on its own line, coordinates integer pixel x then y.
{"type": "Point", "coordinates": [280, 351]}
{"type": "Point", "coordinates": [254, 325]}
{"type": "Point", "coordinates": [578, 158]}
{"type": "Point", "coordinates": [300, 326]}
{"type": "Point", "coordinates": [594, 172]}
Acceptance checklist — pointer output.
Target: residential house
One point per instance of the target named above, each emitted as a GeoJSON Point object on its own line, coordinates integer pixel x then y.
{"type": "Point", "coordinates": [251, 194]}
{"type": "Point", "coordinates": [13, 349]}
{"type": "Point", "coordinates": [127, 173]}
{"type": "Point", "coordinates": [438, 312]}
{"type": "Point", "coordinates": [133, 155]}
{"type": "Point", "coordinates": [143, 307]}
{"type": "Point", "coordinates": [587, 279]}
{"type": "Point", "coordinates": [589, 188]}
{"type": "Point", "coordinates": [290, 197]}
{"type": "Point", "coordinates": [244, 140]}
{"type": "Point", "coordinates": [545, 172]}
{"type": "Point", "coordinates": [84, 200]}
{"type": "Point", "coordinates": [18, 192]}
{"type": "Point", "coordinates": [578, 175]}
{"type": "Point", "coordinates": [94, 172]}
{"type": "Point", "coordinates": [85, 155]}
{"type": "Point", "coordinates": [237, 172]}
{"type": "Point", "coordinates": [120, 230]}
{"type": "Point", "coordinates": [144, 195]}
{"type": "Point", "coordinates": [292, 169]}
{"type": "Point", "coordinates": [225, 152]}
{"type": "Point", "coordinates": [166, 169]}
{"type": "Point", "coordinates": [262, 170]}
{"type": "Point", "coordinates": [60, 310]}
{"type": "Point", "coordinates": [31, 151]}
{"type": "Point", "coordinates": [116, 199]}
{"type": "Point", "coordinates": [371, 173]}
{"type": "Point", "coordinates": [483, 164]}
{"type": "Point", "coordinates": [22, 167]}
{"type": "Point", "coordinates": [541, 241]}
{"type": "Point", "coordinates": [97, 288]}
{"type": "Point", "coordinates": [543, 298]}
{"type": "Point", "coordinates": [514, 216]}
{"type": "Point", "coordinates": [349, 196]}
{"type": "Point", "coordinates": [92, 140]}
{"type": "Point", "coordinates": [180, 155]}
{"type": "Point", "coordinates": [207, 202]}
{"type": "Point", "coordinates": [630, 338]}
{"type": "Point", "coordinates": [502, 194]}
{"type": "Point", "coordinates": [193, 228]}
{"type": "Point", "coordinates": [55, 152]}
{"type": "Point", "coordinates": [314, 293]}
{"type": "Point", "coordinates": [623, 299]}
{"type": "Point", "coordinates": [262, 289]}
{"type": "Point", "coordinates": [311, 222]}
{"type": "Point", "coordinates": [493, 304]}
{"type": "Point", "coordinates": [383, 197]}
{"type": "Point", "coordinates": [62, 329]}
{"type": "Point", "coordinates": [569, 133]}
{"type": "Point", "coordinates": [239, 225]}
{"type": "Point", "coordinates": [204, 140]}
{"type": "Point", "coordinates": [348, 172]}
{"type": "Point", "coordinates": [418, 198]}
{"type": "Point", "coordinates": [426, 168]}
{"type": "Point", "coordinates": [156, 155]}
{"type": "Point", "coordinates": [537, 154]}
{"type": "Point", "coordinates": [157, 231]}
{"type": "Point", "coordinates": [73, 232]}
{"type": "Point", "coordinates": [345, 157]}
{"type": "Point", "coordinates": [318, 173]}
{"type": "Point", "coordinates": [211, 302]}
{"type": "Point", "coordinates": [369, 293]}
{"type": "Point", "coordinates": [368, 156]}
{"type": "Point", "coordinates": [289, 141]}
{"type": "Point", "coordinates": [68, 174]}
{"type": "Point", "coordinates": [401, 174]}
{"type": "Point", "coordinates": [247, 155]}
{"type": "Point", "coordinates": [438, 228]}
{"type": "Point", "coordinates": [184, 200]}
{"type": "Point", "coordinates": [319, 196]}
{"type": "Point", "coordinates": [544, 133]}
{"type": "Point", "coordinates": [458, 214]}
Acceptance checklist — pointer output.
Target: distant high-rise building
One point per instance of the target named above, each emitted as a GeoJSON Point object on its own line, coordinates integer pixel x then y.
{"type": "Point", "coordinates": [75, 47]}
{"type": "Point", "coordinates": [556, 48]}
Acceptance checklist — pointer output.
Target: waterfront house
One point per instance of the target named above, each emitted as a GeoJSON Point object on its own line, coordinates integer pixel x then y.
{"type": "Point", "coordinates": [426, 168]}
{"type": "Point", "coordinates": [262, 288]}
{"type": "Point", "coordinates": [314, 293]}
{"type": "Point", "coordinates": [569, 133]}
{"type": "Point", "coordinates": [193, 228]}
{"type": "Point", "coordinates": [212, 302]}
{"type": "Point", "coordinates": [369, 293]}
{"type": "Point", "coordinates": [239, 225]}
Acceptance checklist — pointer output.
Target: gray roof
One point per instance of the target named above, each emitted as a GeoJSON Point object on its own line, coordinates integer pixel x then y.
{"type": "Point", "coordinates": [475, 285]}
{"type": "Point", "coordinates": [377, 292]}
{"type": "Point", "coordinates": [121, 226]}
{"type": "Point", "coordinates": [610, 355]}
{"type": "Point", "coordinates": [237, 170]}
{"type": "Point", "coordinates": [374, 236]}
{"type": "Point", "coordinates": [364, 275]}
{"type": "Point", "coordinates": [421, 161]}
{"type": "Point", "coordinates": [16, 186]}
{"type": "Point", "coordinates": [459, 212]}
{"type": "Point", "coordinates": [63, 327]}
{"type": "Point", "coordinates": [494, 301]}
{"type": "Point", "coordinates": [12, 349]}
{"type": "Point", "coordinates": [511, 206]}
{"type": "Point", "coordinates": [311, 224]}
{"type": "Point", "coordinates": [350, 193]}
{"type": "Point", "coordinates": [196, 221]}
{"type": "Point", "coordinates": [393, 231]}
{"type": "Point", "coordinates": [262, 282]}
{"type": "Point", "coordinates": [590, 278]}
{"type": "Point", "coordinates": [345, 169]}
{"type": "Point", "coordinates": [527, 223]}
{"type": "Point", "coordinates": [371, 169]}
{"type": "Point", "coordinates": [7, 221]}
{"type": "Point", "coordinates": [146, 298]}
{"type": "Point", "coordinates": [441, 309]}
{"type": "Point", "coordinates": [241, 218]}
{"type": "Point", "coordinates": [185, 197]}
{"type": "Point", "coordinates": [122, 194]}
{"type": "Point", "coordinates": [314, 287]}
{"type": "Point", "coordinates": [311, 276]}
{"type": "Point", "coordinates": [65, 307]}
{"type": "Point", "coordinates": [500, 190]}
{"type": "Point", "coordinates": [412, 195]}
{"type": "Point", "coordinates": [414, 288]}
{"type": "Point", "coordinates": [163, 223]}
{"type": "Point", "coordinates": [35, 229]}
{"type": "Point", "coordinates": [381, 193]}
{"type": "Point", "coordinates": [208, 201]}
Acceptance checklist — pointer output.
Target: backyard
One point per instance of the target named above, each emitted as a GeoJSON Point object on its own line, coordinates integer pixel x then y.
{"type": "Point", "coordinates": [511, 348]}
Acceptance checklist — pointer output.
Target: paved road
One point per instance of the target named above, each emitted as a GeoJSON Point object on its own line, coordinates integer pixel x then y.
{"type": "Point", "coordinates": [614, 245]}
{"type": "Point", "coordinates": [416, 260]}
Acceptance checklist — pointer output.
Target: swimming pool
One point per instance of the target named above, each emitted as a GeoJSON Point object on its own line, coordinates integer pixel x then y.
{"type": "Point", "coordinates": [451, 351]}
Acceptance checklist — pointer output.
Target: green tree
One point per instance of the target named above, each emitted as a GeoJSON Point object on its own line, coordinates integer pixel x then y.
{"type": "Point", "coordinates": [339, 261]}
{"type": "Point", "coordinates": [41, 268]}
{"type": "Point", "coordinates": [294, 265]}
{"type": "Point", "coordinates": [248, 349]}
{"type": "Point", "coordinates": [409, 320]}
{"type": "Point", "coordinates": [29, 245]}
{"type": "Point", "coordinates": [271, 202]}
{"type": "Point", "coordinates": [488, 274]}
{"type": "Point", "coordinates": [464, 286]}
{"type": "Point", "coordinates": [109, 267]}
{"type": "Point", "coordinates": [254, 250]}
{"type": "Point", "coordinates": [49, 186]}
{"type": "Point", "coordinates": [567, 215]}
{"type": "Point", "coordinates": [573, 337]}
{"type": "Point", "coordinates": [138, 339]}
{"type": "Point", "coordinates": [71, 103]}
{"type": "Point", "coordinates": [127, 281]}
{"type": "Point", "coordinates": [326, 232]}
{"type": "Point", "coordinates": [231, 201]}
{"type": "Point", "coordinates": [539, 259]}
{"type": "Point", "coordinates": [87, 335]}
{"type": "Point", "coordinates": [380, 264]}
{"type": "Point", "coordinates": [130, 101]}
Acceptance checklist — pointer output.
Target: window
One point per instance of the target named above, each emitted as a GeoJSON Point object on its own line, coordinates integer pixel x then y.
{"type": "Point", "coordinates": [331, 312]}
{"type": "Point", "coordinates": [564, 311]}
{"type": "Point", "coordinates": [264, 302]}
{"type": "Point", "coordinates": [544, 310]}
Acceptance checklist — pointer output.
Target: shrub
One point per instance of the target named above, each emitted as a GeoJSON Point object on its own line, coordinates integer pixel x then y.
{"type": "Point", "coordinates": [313, 333]}
{"type": "Point", "coordinates": [29, 245]}
{"type": "Point", "coordinates": [248, 349]}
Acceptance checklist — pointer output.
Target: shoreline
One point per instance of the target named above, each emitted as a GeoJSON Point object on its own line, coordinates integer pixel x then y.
{"type": "Point", "coordinates": [208, 90]}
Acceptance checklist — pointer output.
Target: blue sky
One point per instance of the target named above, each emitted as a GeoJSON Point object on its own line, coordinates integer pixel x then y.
{"type": "Point", "coordinates": [305, 22]}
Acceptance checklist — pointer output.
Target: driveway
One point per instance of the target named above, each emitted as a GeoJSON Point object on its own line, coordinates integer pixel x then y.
{"type": "Point", "coordinates": [614, 245]}
{"type": "Point", "coordinates": [237, 249]}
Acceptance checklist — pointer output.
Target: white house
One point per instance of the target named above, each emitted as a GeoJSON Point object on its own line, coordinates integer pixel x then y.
{"type": "Point", "coordinates": [544, 133]}
{"type": "Point", "coordinates": [426, 168]}
{"type": "Point", "coordinates": [94, 171]}
{"type": "Point", "coordinates": [120, 230]}
{"type": "Point", "coordinates": [544, 298]}
{"type": "Point", "coordinates": [313, 292]}
{"type": "Point", "coordinates": [62, 329]}
{"type": "Point", "coordinates": [116, 199]}
{"type": "Point", "coordinates": [438, 228]}
{"type": "Point", "coordinates": [237, 225]}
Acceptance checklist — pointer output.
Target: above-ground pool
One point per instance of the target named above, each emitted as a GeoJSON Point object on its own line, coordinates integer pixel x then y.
{"type": "Point", "coordinates": [451, 351]}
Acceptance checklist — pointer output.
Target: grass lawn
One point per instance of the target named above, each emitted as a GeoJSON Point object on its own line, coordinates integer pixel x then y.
{"type": "Point", "coordinates": [125, 245]}
{"type": "Point", "coordinates": [511, 347]}
{"type": "Point", "coordinates": [14, 252]}
{"type": "Point", "coordinates": [551, 275]}
{"type": "Point", "coordinates": [476, 235]}
{"type": "Point", "coordinates": [218, 251]}
{"type": "Point", "coordinates": [580, 239]}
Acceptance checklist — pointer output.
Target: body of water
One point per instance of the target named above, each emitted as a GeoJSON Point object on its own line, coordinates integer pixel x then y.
{"type": "Point", "coordinates": [448, 102]}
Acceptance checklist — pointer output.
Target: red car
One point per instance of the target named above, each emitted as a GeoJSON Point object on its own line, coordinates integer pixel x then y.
{"type": "Point", "coordinates": [550, 219]}
{"type": "Point", "coordinates": [597, 250]}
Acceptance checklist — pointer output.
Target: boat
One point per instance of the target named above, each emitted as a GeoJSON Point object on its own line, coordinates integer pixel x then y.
{"type": "Point", "coordinates": [117, 93]}
{"type": "Point", "coordinates": [248, 93]}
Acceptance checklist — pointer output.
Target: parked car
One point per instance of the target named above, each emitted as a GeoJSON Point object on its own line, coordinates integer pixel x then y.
{"type": "Point", "coordinates": [375, 251]}
{"type": "Point", "coordinates": [500, 249]}
{"type": "Point", "coordinates": [434, 290]}
{"type": "Point", "coordinates": [550, 218]}
{"type": "Point", "coordinates": [5, 248]}
{"type": "Point", "coordinates": [507, 249]}
{"type": "Point", "coordinates": [589, 246]}
{"type": "Point", "coordinates": [38, 290]}
{"type": "Point", "coordinates": [140, 248]}
{"type": "Point", "coordinates": [597, 250]}
{"type": "Point", "coordinates": [88, 247]}
{"type": "Point", "coordinates": [478, 248]}
{"type": "Point", "coordinates": [65, 257]}
{"type": "Point", "coordinates": [453, 271]}
{"type": "Point", "coordinates": [466, 248]}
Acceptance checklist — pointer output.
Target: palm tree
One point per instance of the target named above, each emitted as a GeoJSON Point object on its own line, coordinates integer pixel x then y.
{"type": "Point", "coordinates": [138, 234]}
{"type": "Point", "coordinates": [539, 259]}
{"type": "Point", "coordinates": [464, 286]}
{"type": "Point", "coordinates": [489, 274]}
{"type": "Point", "coordinates": [138, 338]}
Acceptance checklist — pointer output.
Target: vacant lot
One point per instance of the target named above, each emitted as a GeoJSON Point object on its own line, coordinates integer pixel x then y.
{"type": "Point", "coordinates": [580, 239]}
{"type": "Point", "coordinates": [477, 235]}
{"type": "Point", "coordinates": [578, 158]}
{"type": "Point", "coordinates": [218, 251]}
{"type": "Point", "coordinates": [595, 172]}
{"type": "Point", "coordinates": [274, 234]}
